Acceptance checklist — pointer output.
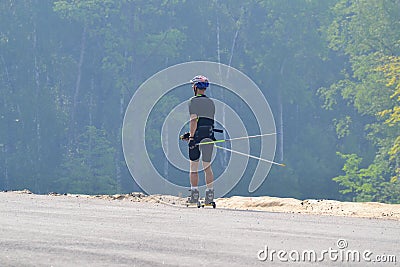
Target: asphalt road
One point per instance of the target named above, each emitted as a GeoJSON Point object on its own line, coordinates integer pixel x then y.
{"type": "Point", "coordinates": [75, 231]}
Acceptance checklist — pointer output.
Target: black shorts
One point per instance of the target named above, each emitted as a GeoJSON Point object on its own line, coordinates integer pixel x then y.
{"type": "Point", "coordinates": [204, 150]}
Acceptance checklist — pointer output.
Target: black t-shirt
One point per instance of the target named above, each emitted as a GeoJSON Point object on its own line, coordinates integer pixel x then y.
{"type": "Point", "coordinates": [204, 108]}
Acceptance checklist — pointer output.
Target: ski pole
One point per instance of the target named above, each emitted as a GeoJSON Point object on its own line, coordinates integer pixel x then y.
{"type": "Point", "coordinates": [232, 139]}
{"type": "Point", "coordinates": [250, 156]}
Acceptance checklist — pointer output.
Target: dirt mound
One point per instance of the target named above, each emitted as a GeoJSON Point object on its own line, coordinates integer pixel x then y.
{"type": "Point", "coordinates": [313, 206]}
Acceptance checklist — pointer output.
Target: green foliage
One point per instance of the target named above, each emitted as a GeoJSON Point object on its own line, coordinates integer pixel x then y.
{"type": "Point", "coordinates": [90, 168]}
{"type": "Point", "coordinates": [69, 68]}
{"type": "Point", "coordinates": [88, 11]}
{"type": "Point", "coordinates": [342, 126]}
{"type": "Point", "coordinates": [391, 70]}
{"type": "Point", "coordinates": [95, 53]}
{"type": "Point", "coordinates": [362, 30]}
{"type": "Point", "coordinates": [354, 181]}
{"type": "Point", "coordinates": [367, 184]}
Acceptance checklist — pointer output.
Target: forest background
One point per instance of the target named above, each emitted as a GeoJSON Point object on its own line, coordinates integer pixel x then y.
{"type": "Point", "coordinates": [330, 71]}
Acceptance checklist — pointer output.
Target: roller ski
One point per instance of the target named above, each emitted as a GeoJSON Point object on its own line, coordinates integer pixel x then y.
{"type": "Point", "coordinates": [209, 199]}
{"type": "Point", "coordinates": [194, 198]}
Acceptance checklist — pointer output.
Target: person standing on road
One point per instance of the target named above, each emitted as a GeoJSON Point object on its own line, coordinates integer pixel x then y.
{"type": "Point", "coordinates": [202, 111]}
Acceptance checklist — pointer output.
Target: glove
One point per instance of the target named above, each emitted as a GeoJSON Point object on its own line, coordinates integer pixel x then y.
{"type": "Point", "coordinates": [185, 136]}
{"type": "Point", "coordinates": [192, 144]}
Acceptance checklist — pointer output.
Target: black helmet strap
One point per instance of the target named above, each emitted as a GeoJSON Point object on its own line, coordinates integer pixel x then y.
{"type": "Point", "coordinates": [195, 90]}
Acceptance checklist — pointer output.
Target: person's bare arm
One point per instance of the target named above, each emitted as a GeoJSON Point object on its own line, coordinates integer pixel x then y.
{"type": "Point", "coordinates": [192, 124]}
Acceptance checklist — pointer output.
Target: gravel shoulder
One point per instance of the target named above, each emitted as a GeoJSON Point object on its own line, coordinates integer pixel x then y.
{"type": "Point", "coordinates": [265, 203]}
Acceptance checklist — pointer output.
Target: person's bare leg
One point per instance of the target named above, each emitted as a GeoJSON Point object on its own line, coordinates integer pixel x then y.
{"type": "Point", "coordinates": [194, 181]}
{"type": "Point", "coordinates": [209, 196]}
{"type": "Point", "coordinates": [208, 174]}
{"type": "Point", "coordinates": [194, 175]}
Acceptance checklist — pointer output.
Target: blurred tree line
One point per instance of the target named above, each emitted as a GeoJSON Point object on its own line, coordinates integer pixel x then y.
{"type": "Point", "coordinates": [329, 70]}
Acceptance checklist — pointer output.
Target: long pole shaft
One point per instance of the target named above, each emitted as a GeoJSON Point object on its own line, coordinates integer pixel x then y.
{"type": "Point", "coordinates": [248, 137]}
{"type": "Point", "coordinates": [250, 156]}
{"type": "Point", "coordinates": [237, 138]}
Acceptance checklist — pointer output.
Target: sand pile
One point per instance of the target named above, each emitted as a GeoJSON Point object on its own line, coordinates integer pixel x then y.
{"type": "Point", "coordinates": [313, 206]}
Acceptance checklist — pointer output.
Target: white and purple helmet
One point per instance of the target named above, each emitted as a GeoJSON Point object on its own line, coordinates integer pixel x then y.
{"type": "Point", "coordinates": [200, 81]}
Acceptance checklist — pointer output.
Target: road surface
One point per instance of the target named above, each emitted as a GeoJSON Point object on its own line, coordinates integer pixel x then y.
{"type": "Point", "coordinates": [42, 230]}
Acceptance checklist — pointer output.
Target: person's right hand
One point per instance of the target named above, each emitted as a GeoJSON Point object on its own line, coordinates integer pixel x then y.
{"type": "Point", "coordinates": [185, 136]}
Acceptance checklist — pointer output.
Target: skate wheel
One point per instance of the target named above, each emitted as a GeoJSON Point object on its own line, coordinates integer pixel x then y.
{"type": "Point", "coordinates": [198, 205]}
{"type": "Point", "coordinates": [213, 205]}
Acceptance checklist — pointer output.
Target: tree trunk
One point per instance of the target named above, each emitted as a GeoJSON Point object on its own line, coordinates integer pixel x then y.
{"type": "Point", "coordinates": [224, 158]}
{"type": "Point", "coordinates": [91, 102]}
{"type": "Point", "coordinates": [166, 137]}
{"type": "Point", "coordinates": [281, 127]}
{"type": "Point", "coordinates": [77, 87]}
{"type": "Point", "coordinates": [119, 157]}
{"type": "Point", "coordinates": [280, 136]}
{"type": "Point", "coordinates": [5, 119]}
{"type": "Point", "coordinates": [37, 115]}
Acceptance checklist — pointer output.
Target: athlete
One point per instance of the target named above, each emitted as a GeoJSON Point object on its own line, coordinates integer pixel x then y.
{"type": "Point", "coordinates": [202, 111]}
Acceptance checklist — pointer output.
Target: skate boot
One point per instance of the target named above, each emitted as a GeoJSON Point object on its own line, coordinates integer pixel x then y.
{"type": "Point", "coordinates": [209, 199]}
{"type": "Point", "coordinates": [194, 196]}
